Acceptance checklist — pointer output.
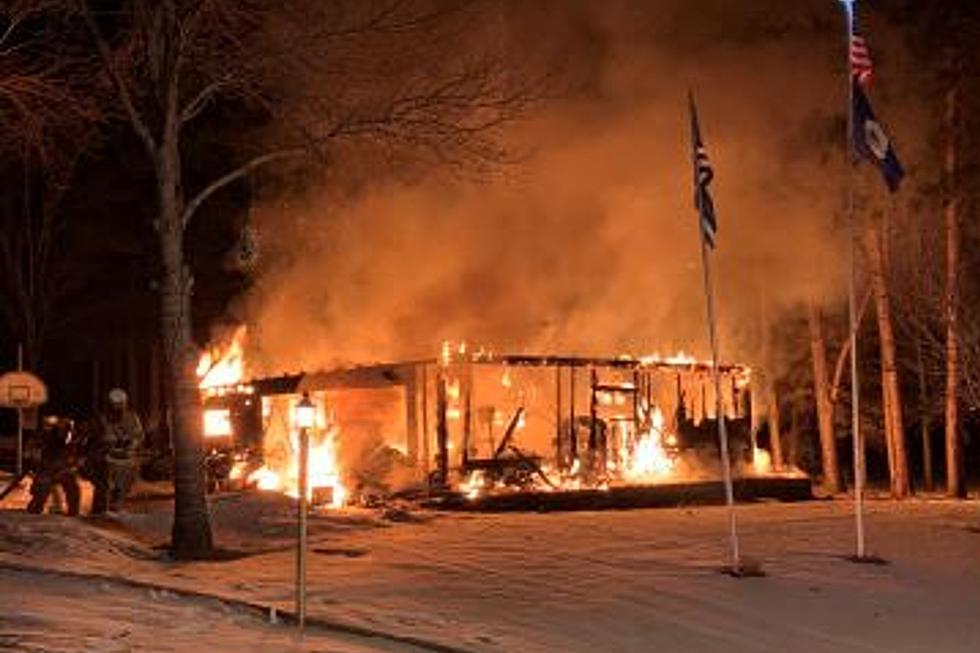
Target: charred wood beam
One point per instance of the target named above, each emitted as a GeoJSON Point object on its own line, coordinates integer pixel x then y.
{"type": "Point", "coordinates": [509, 433]}
{"type": "Point", "coordinates": [572, 428]}
{"type": "Point", "coordinates": [558, 449]}
{"type": "Point", "coordinates": [442, 431]}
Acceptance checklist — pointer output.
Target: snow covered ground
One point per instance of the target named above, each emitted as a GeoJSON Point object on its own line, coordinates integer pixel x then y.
{"type": "Point", "coordinates": [48, 614]}
{"type": "Point", "coordinates": [644, 580]}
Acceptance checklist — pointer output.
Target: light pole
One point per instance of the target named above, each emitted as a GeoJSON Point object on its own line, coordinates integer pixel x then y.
{"type": "Point", "coordinates": [305, 420]}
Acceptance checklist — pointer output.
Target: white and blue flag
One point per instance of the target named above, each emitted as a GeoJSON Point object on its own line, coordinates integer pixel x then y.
{"type": "Point", "coordinates": [870, 139]}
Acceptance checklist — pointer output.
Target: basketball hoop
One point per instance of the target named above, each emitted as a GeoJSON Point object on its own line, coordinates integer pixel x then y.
{"type": "Point", "coordinates": [22, 390]}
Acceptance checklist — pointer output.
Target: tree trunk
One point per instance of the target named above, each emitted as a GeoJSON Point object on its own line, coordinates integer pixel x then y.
{"type": "Point", "coordinates": [775, 441]}
{"type": "Point", "coordinates": [768, 383]}
{"type": "Point", "coordinates": [795, 453]}
{"type": "Point", "coordinates": [924, 420]}
{"type": "Point", "coordinates": [891, 396]}
{"type": "Point", "coordinates": [955, 478]}
{"type": "Point", "coordinates": [191, 534]}
{"type": "Point", "coordinates": [821, 393]}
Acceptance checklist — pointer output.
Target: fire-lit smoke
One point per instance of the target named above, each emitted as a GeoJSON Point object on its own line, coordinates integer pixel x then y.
{"type": "Point", "coordinates": [592, 244]}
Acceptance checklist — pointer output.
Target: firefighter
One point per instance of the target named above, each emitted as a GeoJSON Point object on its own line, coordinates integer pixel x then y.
{"type": "Point", "coordinates": [57, 466]}
{"type": "Point", "coordinates": [118, 439]}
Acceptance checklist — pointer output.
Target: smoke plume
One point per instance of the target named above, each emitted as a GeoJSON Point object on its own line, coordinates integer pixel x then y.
{"type": "Point", "coordinates": [591, 245]}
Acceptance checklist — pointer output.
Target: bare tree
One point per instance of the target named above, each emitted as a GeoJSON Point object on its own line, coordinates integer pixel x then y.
{"type": "Point", "coordinates": [955, 477]}
{"type": "Point", "coordinates": [943, 322]}
{"type": "Point", "coordinates": [45, 124]}
{"type": "Point", "coordinates": [822, 395]}
{"type": "Point", "coordinates": [891, 394]}
{"type": "Point", "coordinates": [399, 78]}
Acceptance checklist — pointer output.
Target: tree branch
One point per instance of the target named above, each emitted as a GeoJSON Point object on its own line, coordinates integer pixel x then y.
{"type": "Point", "coordinates": [195, 106]}
{"type": "Point", "coordinates": [234, 175]}
{"type": "Point", "coordinates": [845, 349]}
{"type": "Point", "coordinates": [139, 125]}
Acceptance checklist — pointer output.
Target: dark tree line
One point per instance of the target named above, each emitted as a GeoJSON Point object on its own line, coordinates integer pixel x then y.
{"type": "Point", "coordinates": [917, 286]}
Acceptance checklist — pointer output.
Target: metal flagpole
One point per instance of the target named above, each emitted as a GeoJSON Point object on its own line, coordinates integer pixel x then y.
{"type": "Point", "coordinates": [736, 563]}
{"type": "Point", "coordinates": [858, 444]}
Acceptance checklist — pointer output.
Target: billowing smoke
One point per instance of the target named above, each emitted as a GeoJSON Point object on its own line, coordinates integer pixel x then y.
{"type": "Point", "coordinates": [591, 246]}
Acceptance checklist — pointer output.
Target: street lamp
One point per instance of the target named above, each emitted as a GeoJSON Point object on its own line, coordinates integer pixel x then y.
{"type": "Point", "coordinates": [305, 412]}
{"type": "Point", "coordinates": [305, 419]}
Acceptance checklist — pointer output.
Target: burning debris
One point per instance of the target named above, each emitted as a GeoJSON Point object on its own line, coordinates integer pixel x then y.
{"type": "Point", "coordinates": [475, 423]}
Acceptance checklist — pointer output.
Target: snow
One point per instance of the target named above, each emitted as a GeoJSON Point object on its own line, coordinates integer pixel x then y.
{"type": "Point", "coordinates": [48, 614]}
{"type": "Point", "coordinates": [598, 581]}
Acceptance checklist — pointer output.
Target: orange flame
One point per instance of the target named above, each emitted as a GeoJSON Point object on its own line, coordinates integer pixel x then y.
{"type": "Point", "coordinates": [223, 367]}
{"type": "Point", "coordinates": [324, 467]}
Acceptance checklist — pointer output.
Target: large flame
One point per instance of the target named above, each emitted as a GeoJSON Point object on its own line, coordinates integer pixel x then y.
{"type": "Point", "coordinates": [324, 472]}
{"type": "Point", "coordinates": [280, 471]}
{"type": "Point", "coordinates": [649, 460]}
{"type": "Point", "coordinates": [225, 366]}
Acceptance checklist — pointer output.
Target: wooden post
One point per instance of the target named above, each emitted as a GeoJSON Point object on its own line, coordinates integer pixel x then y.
{"type": "Point", "coordinates": [442, 430]}
{"type": "Point", "coordinates": [572, 426]}
{"type": "Point", "coordinates": [636, 403]}
{"type": "Point", "coordinates": [411, 414]}
{"type": "Point", "coordinates": [467, 383]}
{"type": "Point", "coordinates": [649, 383]}
{"type": "Point", "coordinates": [558, 450]}
{"type": "Point", "coordinates": [425, 421]}
{"type": "Point", "coordinates": [593, 431]}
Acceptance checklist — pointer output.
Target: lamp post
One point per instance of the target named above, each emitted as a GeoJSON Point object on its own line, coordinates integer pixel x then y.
{"type": "Point", "coordinates": [305, 420]}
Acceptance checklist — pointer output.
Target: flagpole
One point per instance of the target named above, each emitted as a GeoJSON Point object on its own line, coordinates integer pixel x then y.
{"type": "Point", "coordinates": [736, 563]}
{"type": "Point", "coordinates": [857, 442]}
{"type": "Point", "coordinates": [708, 226]}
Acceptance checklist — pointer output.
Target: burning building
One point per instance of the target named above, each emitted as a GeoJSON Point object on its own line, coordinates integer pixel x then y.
{"type": "Point", "coordinates": [474, 424]}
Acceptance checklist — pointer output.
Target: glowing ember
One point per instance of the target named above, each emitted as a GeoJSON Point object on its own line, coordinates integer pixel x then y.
{"type": "Point", "coordinates": [680, 358]}
{"type": "Point", "coordinates": [474, 484]}
{"type": "Point", "coordinates": [761, 461]}
{"type": "Point", "coordinates": [217, 422]}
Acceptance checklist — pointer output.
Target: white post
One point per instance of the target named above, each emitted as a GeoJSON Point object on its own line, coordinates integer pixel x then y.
{"type": "Point", "coordinates": [736, 563]}
{"type": "Point", "coordinates": [304, 462]}
{"type": "Point", "coordinates": [858, 443]}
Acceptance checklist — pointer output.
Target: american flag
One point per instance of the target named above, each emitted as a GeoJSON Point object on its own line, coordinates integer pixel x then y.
{"type": "Point", "coordinates": [860, 57]}
{"type": "Point", "coordinates": [703, 174]}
